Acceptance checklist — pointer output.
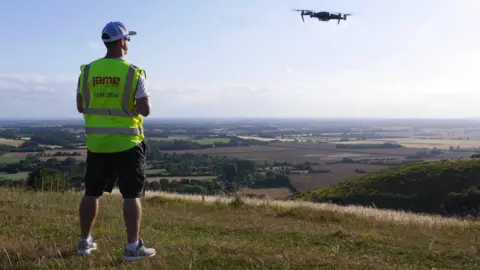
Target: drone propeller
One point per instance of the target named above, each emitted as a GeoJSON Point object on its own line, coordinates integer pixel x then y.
{"type": "Point", "coordinates": [304, 12]}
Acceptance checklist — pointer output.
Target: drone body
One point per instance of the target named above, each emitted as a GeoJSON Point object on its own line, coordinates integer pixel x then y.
{"type": "Point", "coordinates": [323, 15]}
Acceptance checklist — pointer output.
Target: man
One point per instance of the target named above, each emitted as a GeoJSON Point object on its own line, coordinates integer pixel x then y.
{"type": "Point", "coordinates": [113, 96]}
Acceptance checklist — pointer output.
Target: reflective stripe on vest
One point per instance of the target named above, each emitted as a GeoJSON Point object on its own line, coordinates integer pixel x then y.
{"type": "Point", "coordinates": [125, 98]}
{"type": "Point", "coordinates": [113, 112]}
{"type": "Point", "coordinates": [128, 131]}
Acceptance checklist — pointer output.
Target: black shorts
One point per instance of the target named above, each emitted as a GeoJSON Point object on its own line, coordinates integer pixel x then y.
{"type": "Point", "coordinates": [127, 167]}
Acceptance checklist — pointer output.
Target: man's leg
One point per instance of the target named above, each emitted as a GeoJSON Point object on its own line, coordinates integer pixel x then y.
{"type": "Point", "coordinates": [131, 179]}
{"type": "Point", "coordinates": [95, 181]}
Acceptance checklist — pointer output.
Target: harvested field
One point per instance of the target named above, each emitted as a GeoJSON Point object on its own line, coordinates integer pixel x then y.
{"type": "Point", "coordinates": [270, 193]}
{"type": "Point", "coordinates": [11, 142]}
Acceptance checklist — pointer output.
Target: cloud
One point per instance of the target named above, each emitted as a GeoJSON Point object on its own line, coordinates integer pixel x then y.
{"type": "Point", "coordinates": [96, 46]}
{"type": "Point", "coordinates": [34, 85]}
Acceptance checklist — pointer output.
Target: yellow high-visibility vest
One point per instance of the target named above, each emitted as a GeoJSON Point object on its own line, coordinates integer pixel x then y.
{"type": "Point", "coordinates": [108, 88]}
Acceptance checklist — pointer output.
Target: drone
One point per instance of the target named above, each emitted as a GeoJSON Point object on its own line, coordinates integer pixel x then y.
{"type": "Point", "coordinates": [323, 15]}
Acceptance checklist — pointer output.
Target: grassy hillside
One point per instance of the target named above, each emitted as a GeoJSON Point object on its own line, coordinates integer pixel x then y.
{"type": "Point", "coordinates": [444, 187]}
{"type": "Point", "coordinates": [40, 231]}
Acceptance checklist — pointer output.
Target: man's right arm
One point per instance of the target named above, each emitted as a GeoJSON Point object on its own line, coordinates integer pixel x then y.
{"type": "Point", "coordinates": [79, 98]}
{"type": "Point", "coordinates": [142, 96]}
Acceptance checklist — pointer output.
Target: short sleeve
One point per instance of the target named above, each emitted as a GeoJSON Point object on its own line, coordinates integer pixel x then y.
{"type": "Point", "coordinates": [142, 87]}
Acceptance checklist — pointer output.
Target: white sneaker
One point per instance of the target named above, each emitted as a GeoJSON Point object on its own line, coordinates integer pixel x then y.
{"type": "Point", "coordinates": [85, 247]}
{"type": "Point", "coordinates": [139, 253]}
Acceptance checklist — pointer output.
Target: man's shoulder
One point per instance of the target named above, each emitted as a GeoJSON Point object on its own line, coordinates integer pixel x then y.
{"type": "Point", "coordinates": [141, 71]}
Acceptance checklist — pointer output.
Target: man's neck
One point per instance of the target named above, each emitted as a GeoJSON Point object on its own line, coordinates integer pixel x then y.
{"type": "Point", "coordinates": [114, 54]}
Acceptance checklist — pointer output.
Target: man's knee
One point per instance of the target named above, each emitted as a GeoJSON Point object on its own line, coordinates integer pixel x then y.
{"type": "Point", "coordinates": [132, 193]}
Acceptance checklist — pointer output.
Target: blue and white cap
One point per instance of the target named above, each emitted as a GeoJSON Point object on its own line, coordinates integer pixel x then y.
{"type": "Point", "coordinates": [115, 31]}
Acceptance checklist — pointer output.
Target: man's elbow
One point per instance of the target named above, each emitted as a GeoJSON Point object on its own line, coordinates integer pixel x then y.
{"type": "Point", "coordinates": [144, 112]}
{"type": "Point", "coordinates": [79, 103]}
{"type": "Point", "coordinates": [143, 106]}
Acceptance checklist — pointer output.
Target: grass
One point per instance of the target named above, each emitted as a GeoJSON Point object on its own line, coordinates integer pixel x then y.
{"type": "Point", "coordinates": [39, 230]}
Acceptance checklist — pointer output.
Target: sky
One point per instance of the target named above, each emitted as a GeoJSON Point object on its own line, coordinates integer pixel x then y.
{"type": "Point", "coordinates": [250, 58]}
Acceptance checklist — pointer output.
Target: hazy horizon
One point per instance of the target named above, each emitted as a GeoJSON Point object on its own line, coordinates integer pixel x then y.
{"type": "Point", "coordinates": [253, 59]}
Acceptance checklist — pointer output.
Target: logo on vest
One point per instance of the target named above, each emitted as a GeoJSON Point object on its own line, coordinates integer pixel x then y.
{"type": "Point", "coordinates": [108, 82]}
{"type": "Point", "coordinates": [112, 81]}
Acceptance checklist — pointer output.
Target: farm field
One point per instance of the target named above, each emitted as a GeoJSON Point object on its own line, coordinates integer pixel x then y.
{"type": "Point", "coordinates": [207, 141]}
{"type": "Point", "coordinates": [9, 160]}
{"type": "Point", "coordinates": [298, 152]}
{"type": "Point", "coordinates": [338, 173]}
{"type": "Point", "coordinates": [169, 138]}
{"type": "Point", "coordinates": [153, 171]}
{"type": "Point", "coordinates": [18, 154]}
{"type": "Point", "coordinates": [178, 178]}
{"type": "Point", "coordinates": [14, 176]}
{"type": "Point", "coordinates": [265, 139]}
{"type": "Point", "coordinates": [11, 142]}
{"type": "Point", "coordinates": [422, 143]}
{"type": "Point", "coordinates": [204, 141]}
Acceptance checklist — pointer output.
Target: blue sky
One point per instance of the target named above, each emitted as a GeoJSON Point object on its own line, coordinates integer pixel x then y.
{"type": "Point", "coordinates": [252, 58]}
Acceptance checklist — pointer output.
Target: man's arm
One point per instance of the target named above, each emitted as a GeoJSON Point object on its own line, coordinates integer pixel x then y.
{"type": "Point", "coordinates": [79, 98]}
{"type": "Point", "coordinates": [142, 97]}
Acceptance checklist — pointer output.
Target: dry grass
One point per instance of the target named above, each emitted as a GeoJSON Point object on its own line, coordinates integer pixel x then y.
{"type": "Point", "coordinates": [11, 142]}
{"type": "Point", "coordinates": [40, 231]}
{"type": "Point", "coordinates": [270, 193]}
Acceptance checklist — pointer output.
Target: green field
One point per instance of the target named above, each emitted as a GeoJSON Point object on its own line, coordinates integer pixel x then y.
{"type": "Point", "coordinates": [40, 232]}
{"type": "Point", "coordinates": [171, 138]}
{"type": "Point", "coordinates": [10, 160]}
{"type": "Point", "coordinates": [155, 171]}
{"type": "Point", "coordinates": [14, 176]}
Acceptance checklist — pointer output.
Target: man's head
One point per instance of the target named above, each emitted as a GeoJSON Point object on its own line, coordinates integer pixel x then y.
{"type": "Point", "coordinates": [115, 36]}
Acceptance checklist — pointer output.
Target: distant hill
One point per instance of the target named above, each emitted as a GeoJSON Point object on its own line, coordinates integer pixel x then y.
{"type": "Point", "coordinates": [440, 187]}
